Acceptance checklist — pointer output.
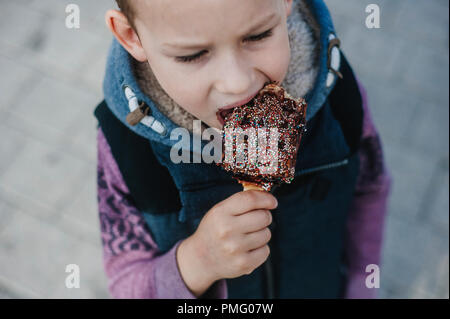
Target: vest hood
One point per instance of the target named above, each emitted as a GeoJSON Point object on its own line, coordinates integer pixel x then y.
{"type": "Point", "coordinates": [122, 92]}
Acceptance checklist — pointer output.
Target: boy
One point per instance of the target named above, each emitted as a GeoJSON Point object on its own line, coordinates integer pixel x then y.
{"type": "Point", "coordinates": [176, 230]}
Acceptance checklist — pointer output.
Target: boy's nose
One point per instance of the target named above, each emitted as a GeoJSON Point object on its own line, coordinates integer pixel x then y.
{"type": "Point", "coordinates": [234, 77]}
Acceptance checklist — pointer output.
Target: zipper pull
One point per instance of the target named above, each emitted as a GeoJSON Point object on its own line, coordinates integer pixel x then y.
{"type": "Point", "coordinates": [133, 118]}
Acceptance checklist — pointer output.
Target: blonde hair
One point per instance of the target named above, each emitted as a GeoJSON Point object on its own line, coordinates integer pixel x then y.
{"type": "Point", "coordinates": [126, 8]}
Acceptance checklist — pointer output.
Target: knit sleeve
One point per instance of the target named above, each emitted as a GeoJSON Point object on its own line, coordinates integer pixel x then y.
{"type": "Point", "coordinates": [134, 266]}
{"type": "Point", "coordinates": [366, 220]}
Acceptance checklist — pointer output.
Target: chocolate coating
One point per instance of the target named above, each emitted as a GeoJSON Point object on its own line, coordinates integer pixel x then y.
{"type": "Point", "coordinates": [261, 138]}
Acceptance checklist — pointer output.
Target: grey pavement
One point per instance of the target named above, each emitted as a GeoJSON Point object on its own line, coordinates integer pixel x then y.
{"type": "Point", "coordinates": [50, 82]}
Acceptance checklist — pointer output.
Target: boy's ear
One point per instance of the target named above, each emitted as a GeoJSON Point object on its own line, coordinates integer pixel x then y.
{"type": "Point", "coordinates": [288, 5]}
{"type": "Point", "coordinates": [120, 27]}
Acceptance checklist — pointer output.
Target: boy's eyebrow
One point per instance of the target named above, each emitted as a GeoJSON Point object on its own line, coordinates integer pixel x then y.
{"type": "Point", "coordinates": [263, 21]}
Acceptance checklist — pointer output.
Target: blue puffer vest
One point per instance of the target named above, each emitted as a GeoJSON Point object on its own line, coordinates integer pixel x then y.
{"type": "Point", "coordinates": [307, 257]}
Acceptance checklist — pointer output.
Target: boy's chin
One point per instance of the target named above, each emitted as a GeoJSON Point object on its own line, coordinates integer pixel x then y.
{"type": "Point", "coordinates": [213, 124]}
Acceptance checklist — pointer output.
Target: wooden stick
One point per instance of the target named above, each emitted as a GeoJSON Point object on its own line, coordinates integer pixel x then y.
{"type": "Point", "coordinates": [251, 186]}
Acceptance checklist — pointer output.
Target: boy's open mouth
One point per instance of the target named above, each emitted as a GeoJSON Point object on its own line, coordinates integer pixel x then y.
{"type": "Point", "coordinates": [225, 111]}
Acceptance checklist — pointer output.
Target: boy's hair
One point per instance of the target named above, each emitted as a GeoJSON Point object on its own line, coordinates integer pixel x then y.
{"type": "Point", "coordinates": [127, 10]}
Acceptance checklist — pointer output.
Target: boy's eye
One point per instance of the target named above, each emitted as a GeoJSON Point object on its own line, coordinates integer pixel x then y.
{"type": "Point", "coordinates": [254, 38]}
{"type": "Point", "coordinates": [261, 36]}
{"type": "Point", "coordinates": [190, 58]}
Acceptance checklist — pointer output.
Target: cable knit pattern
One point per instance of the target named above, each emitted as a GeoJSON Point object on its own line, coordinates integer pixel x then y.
{"type": "Point", "coordinates": [122, 225]}
{"type": "Point", "coordinates": [302, 70]}
{"type": "Point", "coordinates": [133, 264]}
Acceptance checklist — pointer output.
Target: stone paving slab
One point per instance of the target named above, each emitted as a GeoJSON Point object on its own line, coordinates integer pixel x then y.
{"type": "Point", "coordinates": [35, 254]}
{"type": "Point", "coordinates": [45, 175]}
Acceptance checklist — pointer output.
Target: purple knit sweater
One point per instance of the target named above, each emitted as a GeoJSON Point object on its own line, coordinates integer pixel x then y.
{"type": "Point", "coordinates": [135, 268]}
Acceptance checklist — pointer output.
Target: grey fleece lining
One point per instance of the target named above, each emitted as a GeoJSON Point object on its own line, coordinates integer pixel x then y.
{"type": "Point", "coordinates": [303, 68]}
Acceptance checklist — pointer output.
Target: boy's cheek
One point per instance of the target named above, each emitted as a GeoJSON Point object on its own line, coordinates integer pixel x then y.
{"type": "Point", "coordinates": [275, 63]}
{"type": "Point", "coordinates": [172, 81]}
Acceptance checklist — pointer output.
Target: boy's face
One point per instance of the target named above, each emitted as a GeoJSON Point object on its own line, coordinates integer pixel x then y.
{"type": "Point", "coordinates": [210, 54]}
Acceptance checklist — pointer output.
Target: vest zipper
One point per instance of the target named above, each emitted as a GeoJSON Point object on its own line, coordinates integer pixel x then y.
{"type": "Point", "coordinates": [323, 167]}
{"type": "Point", "coordinates": [270, 288]}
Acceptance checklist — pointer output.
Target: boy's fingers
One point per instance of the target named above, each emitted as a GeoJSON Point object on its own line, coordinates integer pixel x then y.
{"type": "Point", "coordinates": [259, 255]}
{"type": "Point", "coordinates": [253, 221]}
{"type": "Point", "coordinates": [256, 239]}
{"type": "Point", "coordinates": [243, 202]}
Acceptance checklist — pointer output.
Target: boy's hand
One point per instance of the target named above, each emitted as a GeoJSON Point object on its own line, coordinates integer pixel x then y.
{"type": "Point", "coordinates": [230, 241]}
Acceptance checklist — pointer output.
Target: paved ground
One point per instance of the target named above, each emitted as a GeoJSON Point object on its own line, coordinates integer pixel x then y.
{"type": "Point", "coordinates": [50, 81]}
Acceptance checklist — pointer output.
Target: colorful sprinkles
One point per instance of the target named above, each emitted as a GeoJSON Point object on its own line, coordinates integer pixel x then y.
{"type": "Point", "coordinates": [261, 138]}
